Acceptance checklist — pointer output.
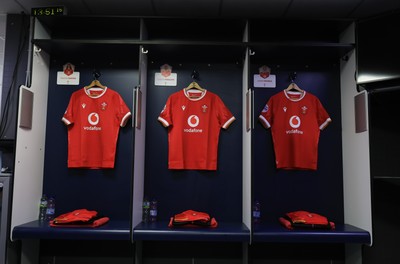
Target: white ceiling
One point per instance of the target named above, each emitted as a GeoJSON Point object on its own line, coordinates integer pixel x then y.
{"type": "Point", "coordinates": [286, 9]}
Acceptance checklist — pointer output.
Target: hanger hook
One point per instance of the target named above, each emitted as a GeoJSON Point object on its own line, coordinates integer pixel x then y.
{"type": "Point", "coordinates": [96, 74]}
{"type": "Point", "coordinates": [292, 76]}
{"type": "Point", "coordinates": [195, 75]}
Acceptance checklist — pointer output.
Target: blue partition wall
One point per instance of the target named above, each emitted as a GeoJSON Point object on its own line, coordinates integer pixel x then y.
{"type": "Point", "coordinates": [282, 191]}
{"type": "Point", "coordinates": [106, 190]}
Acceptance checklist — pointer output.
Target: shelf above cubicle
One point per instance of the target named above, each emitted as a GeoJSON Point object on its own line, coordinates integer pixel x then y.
{"type": "Point", "coordinates": [296, 52]}
{"type": "Point", "coordinates": [199, 52]}
{"type": "Point", "coordinates": [89, 27]}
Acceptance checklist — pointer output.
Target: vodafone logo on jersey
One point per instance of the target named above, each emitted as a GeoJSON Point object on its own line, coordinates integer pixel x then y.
{"type": "Point", "coordinates": [295, 123]}
{"type": "Point", "coordinates": [193, 121]}
{"type": "Point", "coordinates": [93, 119]}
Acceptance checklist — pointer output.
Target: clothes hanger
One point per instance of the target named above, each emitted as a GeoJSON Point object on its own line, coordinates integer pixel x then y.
{"type": "Point", "coordinates": [294, 86]}
{"type": "Point", "coordinates": [194, 85]}
{"type": "Point", "coordinates": [95, 83]}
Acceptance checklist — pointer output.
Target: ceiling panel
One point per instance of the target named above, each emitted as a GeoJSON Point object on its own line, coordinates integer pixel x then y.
{"type": "Point", "coordinates": [10, 7]}
{"type": "Point", "coordinates": [254, 8]}
{"type": "Point", "coordinates": [26, 5]}
{"type": "Point", "coordinates": [119, 7]}
{"type": "Point", "coordinates": [187, 8]}
{"type": "Point", "coordinates": [317, 9]}
{"type": "Point", "coordinates": [370, 8]}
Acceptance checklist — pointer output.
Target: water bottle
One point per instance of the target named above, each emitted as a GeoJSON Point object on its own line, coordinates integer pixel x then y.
{"type": "Point", "coordinates": [146, 210]}
{"type": "Point", "coordinates": [51, 209]}
{"type": "Point", "coordinates": [256, 212]}
{"type": "Point", "coordinates": [43, 208]}
{"type": "Point", "coordinates": [153, 210]}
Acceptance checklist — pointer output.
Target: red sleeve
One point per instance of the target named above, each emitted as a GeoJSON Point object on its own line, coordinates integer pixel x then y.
{"type": "Point", "coordinates": [124, 113]}
{"type": "Point", "coordinates": [266, 114]}
{"type": "Point", "coordinates": [322, 116]}
{"type": "Point", "coordinates": [165, 115]}
{"type": "Point", "coordinates": [225, 116]}
{"type": "Point", "coordinates": [68, 117]}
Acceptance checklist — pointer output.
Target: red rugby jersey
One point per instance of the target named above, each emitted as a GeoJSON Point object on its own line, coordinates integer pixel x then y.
{"type": "Point", "coordinates": [194, 120]}
{"type": "Point", "coordinates": [94, 117]}
{"type": "Point", "coordinates": [296, 120]}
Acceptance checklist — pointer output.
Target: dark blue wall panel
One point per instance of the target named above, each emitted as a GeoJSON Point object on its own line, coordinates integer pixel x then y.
{"type": "Point", "coordinates": [216, 192]}
{"type": "Point", "coordinates": [281, 191]}
{"type": "Point", "coordinates": [105, 190]}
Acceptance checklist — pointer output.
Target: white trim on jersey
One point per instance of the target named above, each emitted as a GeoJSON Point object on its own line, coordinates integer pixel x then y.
{"type": "Point", "coordinates": [125, 119]}
{"type": "Point", "coordinates": [163, 121]}
{"type": "Point", "coordinates": [265, 121]}
{"type": "Point", "coordinates": [66, 121]}
{"type": "Point", "coordinates": [287, 93]}
{"type": "Point", "coordinates": [186, 92]}
{"type": "Point", "coordinates": [227, 123]}
{"type": "Point", "coordinates": [327, 121]}
{"type": "Point", "coordinates": [103, 91]}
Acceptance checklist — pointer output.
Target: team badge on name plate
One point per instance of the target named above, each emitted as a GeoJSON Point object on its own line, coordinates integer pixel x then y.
{"type": "Point", "coordinates": [264, 78]}
{"type": "Point", "coordinates": [68, 76]}
{"type": "Point", "coordinates": [165, 77]}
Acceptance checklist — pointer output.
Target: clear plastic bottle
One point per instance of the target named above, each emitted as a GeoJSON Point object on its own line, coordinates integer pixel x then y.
{"type": "Point", "coordinates": [43, 208]}
{"type": "Point", "coordinates": [146, 210]}
{"type": "Point", "coordinates": [256, 212]}
{"type": "Point", "coordinates": [153, 210]}
{"type": "Point", "coordinates": [51, 209]}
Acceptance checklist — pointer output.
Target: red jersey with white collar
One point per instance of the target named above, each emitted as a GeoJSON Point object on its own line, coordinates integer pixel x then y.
{"type": "Point", "coordinates": [94, 117]}
{"type": "Point", "coordinates": [296, 120]}
{"type": "Point", "coordinates": [194, 119]}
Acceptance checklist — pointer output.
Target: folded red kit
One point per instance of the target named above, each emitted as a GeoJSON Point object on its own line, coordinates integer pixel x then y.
{"type": "Point", "coordinates": [305, 220]}
{"type": "Point", "coordinates": [192, 218]}
{"type": "Point", "coordinates": [79, 218]}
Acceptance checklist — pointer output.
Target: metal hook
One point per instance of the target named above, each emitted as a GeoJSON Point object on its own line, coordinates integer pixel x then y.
{"type": "Point", "coordinates": [96, 74]}
{"type": "Point", "coordinates": [292, 76]}
{"type": "Point", "coordinates": [144, 51]}
{"type": "Point", "coordinates": [195, 75]}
